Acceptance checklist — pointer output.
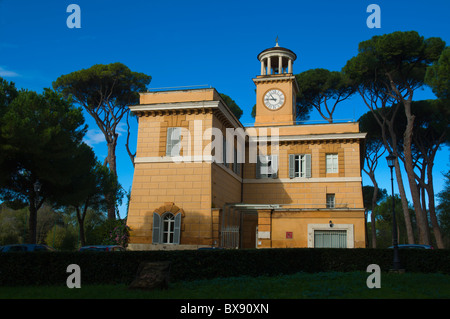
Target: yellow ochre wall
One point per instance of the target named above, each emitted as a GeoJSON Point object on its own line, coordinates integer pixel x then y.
{"type": "Point", "coordinates": [200, 189]}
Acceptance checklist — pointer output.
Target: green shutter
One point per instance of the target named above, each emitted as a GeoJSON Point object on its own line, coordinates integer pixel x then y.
{"type": "Point", "coordinates": [156, 237]}
{"type": "Point", "coordinates": [308, 165]}
{"type": "Point", "coordinates": [177, 229]}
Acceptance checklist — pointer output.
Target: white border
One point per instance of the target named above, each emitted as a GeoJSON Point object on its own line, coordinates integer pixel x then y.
{"type": "Point", "coordinates": [347, 227]}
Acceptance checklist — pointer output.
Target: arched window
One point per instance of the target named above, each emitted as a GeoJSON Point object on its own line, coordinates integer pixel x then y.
{"type": "Point", "coordinates": [166, 228]}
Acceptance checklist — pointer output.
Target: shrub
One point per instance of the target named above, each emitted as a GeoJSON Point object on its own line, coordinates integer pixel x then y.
{"type": "Point", "coordinates": [62, 238]}
{"type": "Point", "coordinates": [121, 267]}
{"type": "Point", "coordinates": [116, 232]}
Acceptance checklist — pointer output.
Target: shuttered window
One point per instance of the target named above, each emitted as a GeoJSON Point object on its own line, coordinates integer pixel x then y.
{"type": "Point", "coordinates": [300, 165]}
{"type": "Point", "coordinates": [166, 228]}
{"type": "Point", "coordinates": [173, 145]}
{"type": "Point", "coordinates": [267, 166]}
{"type": "Point", "coordinates": [330, 239]}
{"type": "Point", "coordinates": [332, 163]}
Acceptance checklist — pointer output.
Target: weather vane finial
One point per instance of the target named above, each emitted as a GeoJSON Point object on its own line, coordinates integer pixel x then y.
{"type": "Point", "coordinates": [276, 41]}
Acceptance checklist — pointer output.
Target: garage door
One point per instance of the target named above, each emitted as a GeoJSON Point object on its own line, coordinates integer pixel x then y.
{"type": "Point", "coordinates": [330, 239]}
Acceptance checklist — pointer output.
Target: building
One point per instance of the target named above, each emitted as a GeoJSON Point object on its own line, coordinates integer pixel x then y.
{"type": "Point", "coordinates": [203, 179]}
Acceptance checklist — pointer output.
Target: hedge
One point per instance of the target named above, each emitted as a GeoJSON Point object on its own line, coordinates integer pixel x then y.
{"type": "Point", "coordinates": [49, 268]}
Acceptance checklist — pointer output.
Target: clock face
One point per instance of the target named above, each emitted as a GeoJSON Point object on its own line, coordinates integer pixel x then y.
{"type": "Point", "coordinates": [274, 99]}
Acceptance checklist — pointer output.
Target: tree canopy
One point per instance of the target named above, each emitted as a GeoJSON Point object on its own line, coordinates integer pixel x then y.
{"type": "Point", "coordinates": [387, 70]}
{"type": "Point", "coordinates": [105, 92]}
{"type": "Point", "coordinates": [323, 90]}
{"type": "Point", "coordinates": [39, 136]}
{"type": "Point", "coordinates": [438, 76]}
{"type": "Point", "coordinates": [234, 108]}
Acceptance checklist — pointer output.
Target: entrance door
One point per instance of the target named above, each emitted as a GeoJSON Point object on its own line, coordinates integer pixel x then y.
{"type": "Point", "coordinates": [249, 223]}
{"type": "Point", "coordinates": [330, 239]}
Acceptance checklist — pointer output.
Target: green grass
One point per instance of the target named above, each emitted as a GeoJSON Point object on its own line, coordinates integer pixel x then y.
{"type": "Point", "coordinates": [298, 286]}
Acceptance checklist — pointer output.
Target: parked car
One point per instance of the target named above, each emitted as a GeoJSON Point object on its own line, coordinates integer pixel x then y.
{"type": "Point", "coordinates": [25, 247]}
{"type": "Point", "coordinates": [408, 246]}
{"type": "Point", "coordinates": [209, 248]}
{"type": "Point", "coordinates": [102, 248]}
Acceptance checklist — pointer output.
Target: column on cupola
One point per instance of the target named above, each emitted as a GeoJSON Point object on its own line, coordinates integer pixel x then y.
{"type": "Point", "coordinates": [269, 66]}
{"type": "Point", "coordinates": [280, 64]}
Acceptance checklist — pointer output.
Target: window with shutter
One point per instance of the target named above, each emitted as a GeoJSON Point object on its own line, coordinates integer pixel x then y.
{"type": "Point", "coordinates": [267, 166]}
{"type": "Point", "coordinates": [300, 165]}
{"type": "Point", "coordinates": [332, 163]}
{"type": "Point", "coordinates": [173, 145]}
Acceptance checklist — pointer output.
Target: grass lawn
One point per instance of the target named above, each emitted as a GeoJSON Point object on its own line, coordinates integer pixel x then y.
{"type": "Point", "coordinates": [298, 286]}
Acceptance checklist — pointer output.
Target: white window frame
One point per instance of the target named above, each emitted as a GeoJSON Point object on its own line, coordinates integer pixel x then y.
{"type": "Point", "coordinates": [168, 223]}
{"type": "Point", "coordinates": [300, 165]}
{"type": "Point", "coordinates": [267, 166]}
{"type": "Point", "coordinates": [173, 145]}
{"type": "Point", "coordinates": [348, 227]}
{"type": "Point", "coordinates": [332, 163]}
{"type": "Point", "coordinates": [166, 235]}
{"type": "Point", "coordinates": [331, 200]}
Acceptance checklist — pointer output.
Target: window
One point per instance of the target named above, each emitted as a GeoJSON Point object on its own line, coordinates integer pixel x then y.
{"type": "Point", "coordinates": [224, 151]}
{"type": "Point", "coordinates": [173, 145]}
{"type": "Point", "coordinates": [332, 163]}
{"type": "Point", "coordinates": [300, 165]}
{"type": "Point", "coordinates": [236, 164]}
{"type": "Point", "coordinates": [166, 228]}
{"type": "Point", "coordinates": [331, 201]}
{"type": "Point", "coordinates": [267, 166]}
{"type": "Point", "coordinates": [330, 239]}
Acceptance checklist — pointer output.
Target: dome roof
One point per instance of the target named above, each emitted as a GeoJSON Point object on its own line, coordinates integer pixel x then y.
{"type": "Point", "coordinates": [277, 50]}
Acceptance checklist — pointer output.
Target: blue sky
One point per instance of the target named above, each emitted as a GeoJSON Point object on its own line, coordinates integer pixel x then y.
{"type": "Point", "coordinates": [182, 43]}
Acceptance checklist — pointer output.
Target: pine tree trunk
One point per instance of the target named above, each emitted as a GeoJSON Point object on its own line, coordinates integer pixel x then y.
{"type": "Point", "coordinates": [111, 160]}
{"type": "Point", "coordinates": [405, 208]}
{"type": "Point", "coordinates": [432, 208]}
{"type": "Point", "coordinates": [422, 222]}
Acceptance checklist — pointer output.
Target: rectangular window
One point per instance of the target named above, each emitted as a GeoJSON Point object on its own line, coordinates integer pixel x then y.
{"type": "Point", "coordinates": [173, 145]}
{"type": "Point", "coordinates": [224, 151]}
{"type": "Point", "coordinates": [299, 165]}
{"type": "Point", "coordinates": [236, 165]}
{"type": "Point", "coordinates": [267, 166]}
{"type": "Point", "coordinates": [331, 201]}
{"type": "Point", "coordinates": [332, 163]}
{"type": "Point", "coordinates": [330, 239]}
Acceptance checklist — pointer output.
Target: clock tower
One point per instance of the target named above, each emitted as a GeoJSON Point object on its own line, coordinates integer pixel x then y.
{"type": "Point", "coordinates": [276, 88]}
